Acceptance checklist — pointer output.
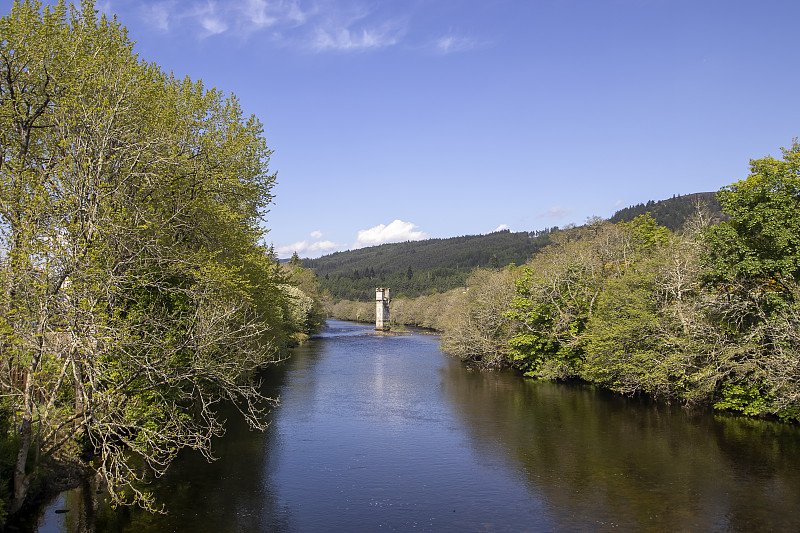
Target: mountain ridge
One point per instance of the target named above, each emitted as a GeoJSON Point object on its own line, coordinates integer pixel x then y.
{"type": "Point", "coordinates": [415, 268]}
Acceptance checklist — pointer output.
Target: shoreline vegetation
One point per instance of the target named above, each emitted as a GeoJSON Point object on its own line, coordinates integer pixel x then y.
{"type": "Point", "coordinates": [706, 316]}
{"type": "Point", "coordinates": [137, 292]}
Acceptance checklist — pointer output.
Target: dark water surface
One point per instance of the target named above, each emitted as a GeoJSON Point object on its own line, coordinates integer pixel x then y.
{"type": "Point", "coordinates": [388, 434]}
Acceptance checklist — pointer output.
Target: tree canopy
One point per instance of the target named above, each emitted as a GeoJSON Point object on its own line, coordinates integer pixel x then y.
{"type": "Point", "coordinates": [135, 291]}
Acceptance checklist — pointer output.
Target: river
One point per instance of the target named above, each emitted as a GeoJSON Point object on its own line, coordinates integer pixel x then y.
{"type": "Point", "coordinates": [386, 433]}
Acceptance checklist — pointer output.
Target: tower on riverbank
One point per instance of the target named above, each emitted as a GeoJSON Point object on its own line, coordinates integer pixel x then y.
{"type": "Point", "coordinates": [382, 309]}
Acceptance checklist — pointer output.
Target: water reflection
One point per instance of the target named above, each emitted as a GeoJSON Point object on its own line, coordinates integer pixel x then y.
{"type": "Point", "coordinates": [604, 462]}
{"type": "Point", "coordinates": [386, 433]}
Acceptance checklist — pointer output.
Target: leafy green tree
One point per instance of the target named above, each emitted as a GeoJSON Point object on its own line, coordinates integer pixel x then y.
{"type": "Point", "coordinates": [625, 336]}
{"type": "Point", "coordinates": [753, 270]}
{"type": "Point", "coordinates": [135, 294]}
{"type": "Point", "coordinates": [306, 301]}
{"type": "Point", "coordinates": [556, 296]}
{"type": "Point", "coordinates": [761, 242]}
{"type": "Point", "coordinates": [649, 332]}
{"type": "Point", "coordinates": [475, 326]}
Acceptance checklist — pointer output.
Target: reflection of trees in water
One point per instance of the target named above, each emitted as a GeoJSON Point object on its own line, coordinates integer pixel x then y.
{"type": "Point", "coordinates": [230, 494]}
{"type": "Point", "coordinates": [601, 461]}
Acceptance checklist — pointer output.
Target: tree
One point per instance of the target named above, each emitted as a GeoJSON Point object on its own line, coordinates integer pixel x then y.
{"type": "Point", "coordinates": [475, 326]}
{"type": "Point", "coordinates": [753, 270]}
{"type": "Point", "coordinates": [625, 337]}
{"type": "Point", "coordinates": [556, 297]}
{"type": "Point", "coordinates": [135, 293]}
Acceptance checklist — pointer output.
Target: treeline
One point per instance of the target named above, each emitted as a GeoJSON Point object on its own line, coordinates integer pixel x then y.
{"type": "Point", "coordinates": [673, 212]}
{"type": "Point", "coordinates": [709, 315]}
{"type": "Point", "coordinates": [422, 267]}
{"type": "Point", "coordinates": [135, 295]}
{"type": "Point", "coordinates": [432, 266]}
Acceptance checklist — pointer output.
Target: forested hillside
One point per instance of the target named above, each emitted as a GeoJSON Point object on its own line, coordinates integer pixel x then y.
{"type": "Point", "coordinates": [422, 267]}
{"type": "Point", "coordinates": [673, 212]}
{"type": "Point", "coordinates": [426, 267]}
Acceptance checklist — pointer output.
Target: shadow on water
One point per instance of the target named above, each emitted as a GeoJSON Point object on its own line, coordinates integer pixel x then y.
{"type": "Point", "coordinates": [387, 433]}
{"type": "Point", "coordinates": [197, 494]}
{"type": "Point", "coordinates": [605, 462]}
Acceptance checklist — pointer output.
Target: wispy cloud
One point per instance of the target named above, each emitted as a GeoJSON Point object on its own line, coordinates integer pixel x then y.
{"type": "Point", "coordinates": [241, 17]}
{"type": "Point", "coordinates": [158, 15]}
{"type": "Point", "coordinates": [347, 39]}
{"type": "Point", "coordinates": [555, 212]}
{"type": "Point", "coordinates": [213, 25]}
{"type": "Point", "coordinates": [254, 15]}
{"type": "Point", "coordinates": [451, 43]}
{"type": "Point", "coordinates": [353, 27]}
{"type": "Point", "coordinates": [397, 231]}
{"type": "Point", "coordinates": [318, 26]}
{"type": "Point", "coordinates": [258, 13]}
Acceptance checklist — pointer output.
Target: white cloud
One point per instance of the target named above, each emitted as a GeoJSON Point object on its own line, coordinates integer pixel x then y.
{"type": "Point", "coordinates": [451, 44]}
{"type": "Point", "coordinates": [501, 227]}
{"type": "Point", "coordinates": [158, 15]}
{"type": "Point", "coordinates": [257, 12]}
{"type": "Point", "coordinates": [343, 38]}
{"type": "Point", "coordinates": [324, 26]}
{"type": "Point", "coordinates": [555, 212]}
{"type": "Point", "coordinates": [240, 17]}
{"type": "Point", "coordinates": [307, 248]}
{"type": "Point", "coordinates": [213, 25]}
{"type": "Point", "coordinates": [397, 231]}
{"type": "Point", "coordinates": [618, 203]}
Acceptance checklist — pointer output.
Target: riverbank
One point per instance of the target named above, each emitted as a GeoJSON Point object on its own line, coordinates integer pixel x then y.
{"type": "Point", "coordinates": [54, 478]}
{"type": "Point", "coordinates": [391, 434]}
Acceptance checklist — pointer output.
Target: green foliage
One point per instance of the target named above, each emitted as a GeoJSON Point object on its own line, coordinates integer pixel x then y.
{"type": "Point", "coordinates": [644, 235]}
{"type": "Point", "coordinates": [760, 244]}
{"type": "Point", "coordinates": [624, 348]}
{"type": "Point", "coordinates": [752, 268]}
{"type": "Point", "coordinates": [135, 293]}
{"type": "Point", "coordinates": [537, 345]}
{"type": "Point", "coordinates": [739, 397]}
{"type": "Point", "coordinates": [307, 301]}
{"type": "Point", "coordinates": [475, 327]}
{"type": "Point", "coordinates": [556, 296]}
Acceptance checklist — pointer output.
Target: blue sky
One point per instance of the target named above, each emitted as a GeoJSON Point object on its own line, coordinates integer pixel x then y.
{"type": "Point", "coordinates": [398, 120]}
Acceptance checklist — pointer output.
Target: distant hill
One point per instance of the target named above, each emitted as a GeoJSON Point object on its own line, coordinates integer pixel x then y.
{"type": "Point", "coordinates": [416, 268]}
{"type": "Point", "coordinates": [421, 267]}
{"type": "Point", "coordinates": [673, 212]}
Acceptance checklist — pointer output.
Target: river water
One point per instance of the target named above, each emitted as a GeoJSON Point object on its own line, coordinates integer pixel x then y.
{"type": "Point", "coordinates": [382, 433]}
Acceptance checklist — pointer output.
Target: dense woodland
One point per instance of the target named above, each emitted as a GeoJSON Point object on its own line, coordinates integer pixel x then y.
{"type": "Point", "coordinates": [674, 212]}
{"type": "Point", "coordinates": [135, 293]}
{"type": "Point", "coordinates": [421, 268]}
{"type": "Point", "coordinates": [708, 315]}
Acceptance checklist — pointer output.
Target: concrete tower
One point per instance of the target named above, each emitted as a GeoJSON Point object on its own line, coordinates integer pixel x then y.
{"type": "Point", "coordinates": [382, 309]}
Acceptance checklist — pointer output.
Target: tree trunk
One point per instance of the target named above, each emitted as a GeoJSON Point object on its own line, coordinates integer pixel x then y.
{"type": "Point", "coordinates": [21, 480]}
